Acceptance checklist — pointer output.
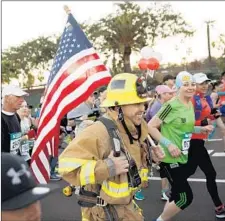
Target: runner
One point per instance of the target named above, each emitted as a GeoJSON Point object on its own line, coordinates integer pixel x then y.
{"type": "Point", "coordinates": [198, 155]}
{"type": "Point", "coordinates": [216, 87]}
{"type": "Point", "coordinates": [164, 94]}
{"type": "Point", "coordinates": [176, 123]}
{"type": "Point", "coordinates": [108, 166]}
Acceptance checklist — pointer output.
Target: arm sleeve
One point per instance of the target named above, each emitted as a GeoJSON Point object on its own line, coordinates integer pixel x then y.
{"type": "Point", "coordinates": [80, 163]}
{"type": "Point", "coordinates": [221, 93]}
{"type": "Point", "coordinates": [164, 114]}
{"type": "Point", "coordinates": [197, 122]}
{"type": "Point", "coordinates": [4, 141]}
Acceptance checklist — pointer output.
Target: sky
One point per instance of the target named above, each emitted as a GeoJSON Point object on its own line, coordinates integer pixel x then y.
{"type": "Point", "coordinates": [22, 21]}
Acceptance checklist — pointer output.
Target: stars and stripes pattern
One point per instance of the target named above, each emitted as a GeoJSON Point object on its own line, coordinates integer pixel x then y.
{"type": "Point", "coordinates": [76, 72]}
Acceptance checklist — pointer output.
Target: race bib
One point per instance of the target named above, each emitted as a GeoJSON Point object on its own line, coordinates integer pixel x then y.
{"type": "Point", "coordinates": [15, 139]}
{"type": "Point", "coordinates": [186, 143]}
{"type": "Point", "coordinates": [24, 148]}
{"type": "Point", "coordinates": [68, 128]}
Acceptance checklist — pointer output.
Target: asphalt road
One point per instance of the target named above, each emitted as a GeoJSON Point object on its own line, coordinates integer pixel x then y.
{"type": "Point", "coordinates": [57, 207]}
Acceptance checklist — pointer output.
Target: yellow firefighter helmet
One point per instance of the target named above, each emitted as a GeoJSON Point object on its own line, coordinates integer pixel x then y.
{"type": "Point", "coordinates": [125, 89]}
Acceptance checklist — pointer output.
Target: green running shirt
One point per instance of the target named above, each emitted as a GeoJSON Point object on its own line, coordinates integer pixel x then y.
{"type": "Point", "coordinates": [177, 125]}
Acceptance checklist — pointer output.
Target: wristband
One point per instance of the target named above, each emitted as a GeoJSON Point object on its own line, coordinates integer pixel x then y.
{"type": "Point", "coordinates": [165, 142]}
{"type": "Point", "coordinates": [197, 129]}
{"type": "Point", "coordinates": [221, 93]}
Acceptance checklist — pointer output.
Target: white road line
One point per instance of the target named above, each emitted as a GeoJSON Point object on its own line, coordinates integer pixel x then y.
{"type": "Point", "coordinates": [210, 151]}
{"type": "Point", "coordinates": [191, 179]}
{"type": "Point", "coordinates": [219, 154]}
{"type": "Point", "coordinates": [211, 140]}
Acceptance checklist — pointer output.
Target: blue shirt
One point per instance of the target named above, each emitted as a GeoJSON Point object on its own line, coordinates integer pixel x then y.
{"type": "Point", "coordinates": [152, 111]}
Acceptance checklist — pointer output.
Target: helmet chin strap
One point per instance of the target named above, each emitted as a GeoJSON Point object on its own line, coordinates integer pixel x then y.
{"type": "Point", "coordinates": [121, 119]}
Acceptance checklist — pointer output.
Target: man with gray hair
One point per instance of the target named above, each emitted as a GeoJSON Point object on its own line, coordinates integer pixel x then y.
{"type": "Point", "coordinates": [12, 99]}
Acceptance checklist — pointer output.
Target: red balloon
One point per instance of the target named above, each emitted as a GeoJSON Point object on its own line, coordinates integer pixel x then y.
{"type": "Point", "coordinates": [143, 64]}
{"type": "Point", "coordinates": [153, 64]}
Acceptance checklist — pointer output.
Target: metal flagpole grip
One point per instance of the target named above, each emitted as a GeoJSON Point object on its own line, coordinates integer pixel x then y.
{"type": "Point", "coordinates": [67, 10]}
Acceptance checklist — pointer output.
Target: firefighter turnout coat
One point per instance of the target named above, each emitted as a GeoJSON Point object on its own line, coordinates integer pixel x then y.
{"type": "Point", "coordinates": [82, 164]}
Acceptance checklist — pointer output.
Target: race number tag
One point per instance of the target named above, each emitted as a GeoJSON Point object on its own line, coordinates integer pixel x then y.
{"type": "Point", "coordinates": [186, 143]}
{"type": "Point", "coordinates": [15, 139]}
{"type": "Point", "coordinates": [68, 128]}
{"type": "Point", "coordinates": [24, 148]}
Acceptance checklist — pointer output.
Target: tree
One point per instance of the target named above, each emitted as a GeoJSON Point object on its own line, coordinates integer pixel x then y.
{"type": "Point", "coordinates": [220, 45]}
{"type": "Point", "coordinates": [130, 28]}
{"type": "Point", "coordinates": [208, 24]}
{"type": "Point", "coordinates": [29, 56]}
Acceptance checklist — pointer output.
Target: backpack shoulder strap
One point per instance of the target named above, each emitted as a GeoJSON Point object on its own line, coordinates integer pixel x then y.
{"type": "Point", "coordinates": [209, 101]}
{"type": "Point", "coordinates": [197, 106]}
{"type": "Point", "coordinates": [114, 137]}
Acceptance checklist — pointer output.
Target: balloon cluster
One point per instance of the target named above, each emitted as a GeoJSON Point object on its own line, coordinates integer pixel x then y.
{"type": "Point", "coordinates": [150, 60]}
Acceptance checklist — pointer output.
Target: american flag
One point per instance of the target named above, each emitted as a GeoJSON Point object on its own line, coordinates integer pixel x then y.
{"type": "Point", "coordinates": [76, 73]}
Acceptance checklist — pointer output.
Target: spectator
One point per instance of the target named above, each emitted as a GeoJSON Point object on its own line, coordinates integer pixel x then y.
{"type": "Point", "coordinates": [169, 80]}
{"type": "Point", "coordinates": [12, 99]}
{"type": "Point", "coordinates": [28, 132]}
{"type": "Point", "coordinates": [20, 193]}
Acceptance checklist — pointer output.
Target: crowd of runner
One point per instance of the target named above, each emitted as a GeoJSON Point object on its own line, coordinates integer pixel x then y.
{"type": "Point", "coordinates": [179, 115]}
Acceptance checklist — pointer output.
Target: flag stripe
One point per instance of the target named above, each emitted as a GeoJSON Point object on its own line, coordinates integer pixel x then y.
{"type": "Point", "coordinates": [69, 79]}
{"type": "Point", "coordinates": [62, 76]}
{"type": "Point", "coordinates": [43, 166]}
{"type": "Point", "coordinates": [67, 87]}
{"type": "Point", "coordinates": [76, 72]}
{"type": "Point", "coordinates": [67, 64]}
{"type": "Point", "coordinates": [77, 96]}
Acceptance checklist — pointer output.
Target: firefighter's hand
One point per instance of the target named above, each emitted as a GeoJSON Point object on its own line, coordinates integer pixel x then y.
{"type": "Point", "coordinates": [158, 152]}
{"type": "Point", "coordinates": [174, 150]}
{"type": "Point", "coordinates": [121, 164]}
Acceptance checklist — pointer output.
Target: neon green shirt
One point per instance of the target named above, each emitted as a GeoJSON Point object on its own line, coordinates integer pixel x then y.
{"type": "Point", "coordinates": [178, 125]}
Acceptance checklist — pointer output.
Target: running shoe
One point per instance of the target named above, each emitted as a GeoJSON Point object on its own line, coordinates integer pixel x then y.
{"type": "Point", "coordinates": [156, 166]}
{"type": "Point", "coordinates": [220, 212]}
{"type": "Point", "coordinates": [55, 177]}
{"type": "Point", "coordinates": [139, 195]}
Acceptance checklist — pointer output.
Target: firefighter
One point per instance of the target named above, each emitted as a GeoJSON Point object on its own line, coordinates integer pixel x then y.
{"type": "Point", "coordinates": [90, 162]}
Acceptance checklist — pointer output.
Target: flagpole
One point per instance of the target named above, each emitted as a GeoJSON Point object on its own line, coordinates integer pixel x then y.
{"type": "Point", "coordinates": [67, 9]}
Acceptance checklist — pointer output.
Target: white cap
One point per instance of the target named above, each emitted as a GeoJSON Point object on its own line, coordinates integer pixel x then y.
{"type": "Point", "coordinates": [13, 90]}
{"type": "Point", "coordinates": [200, 78]}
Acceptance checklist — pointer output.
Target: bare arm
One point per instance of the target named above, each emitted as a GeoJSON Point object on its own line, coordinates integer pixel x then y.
{"type": "Point", "coordinates": [220, 124]}
{"type": "Point", "coordinates": [153, 128]}
{"type": "Point", "coordinates": [214, 97]}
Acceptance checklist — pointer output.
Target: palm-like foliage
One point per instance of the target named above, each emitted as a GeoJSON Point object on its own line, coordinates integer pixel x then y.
{"type": "Point", "coordinates": [130, 28]}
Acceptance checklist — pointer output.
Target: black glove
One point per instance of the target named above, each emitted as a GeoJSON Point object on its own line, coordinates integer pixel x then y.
{"type": "Point", "coordinates": [204, 122]}
{"type": "Point", "coordinates": [215, 112]}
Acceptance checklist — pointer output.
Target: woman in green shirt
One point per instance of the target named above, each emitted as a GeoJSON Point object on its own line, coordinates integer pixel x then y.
{"type": "Point", "coordinates": [176, 121]}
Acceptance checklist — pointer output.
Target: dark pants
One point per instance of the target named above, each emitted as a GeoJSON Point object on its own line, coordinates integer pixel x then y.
{"type": "Point", "coordinates": [198, 156]}
{"type": "Point", "coordinates": [53, 164]}
{"type": "Point", "coordinates": [181, 192]}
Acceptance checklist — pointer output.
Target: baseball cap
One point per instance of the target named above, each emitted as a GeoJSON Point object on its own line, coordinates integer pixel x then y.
{"type": "Point", "coordinates": [160, 89]}
{"type": "Point", "coordinates": [200, 78]}
{"type": "Point", "coordinates": [182, 77]}
{"type": "Point", "coordinates": [168, 77]}
{"type": "Point", "coordinates": [19, 188]}
{"type": "Point", "coordinates": [13, 90]}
